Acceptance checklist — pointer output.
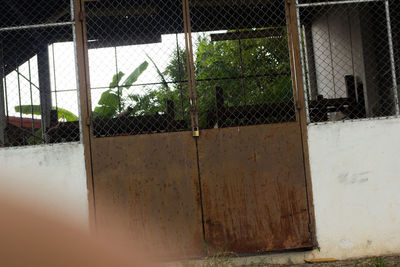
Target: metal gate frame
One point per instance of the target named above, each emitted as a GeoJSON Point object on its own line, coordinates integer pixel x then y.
{"type": "Point", "coordinates": [298, 86]}
{"type": "Point", "coordinates": [85, 103]}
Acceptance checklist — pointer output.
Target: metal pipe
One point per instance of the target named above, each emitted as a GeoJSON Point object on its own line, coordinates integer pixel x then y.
{"type": "Point", "coordinates": [190, 68]}
{"type": "Point", "coordinates": [3, 75]}
{"type": "Point", "coordinates": [3, 118]}
{"type": "Point", "coordinates": [302, 62]}
{"type": "Point", "coordinates": [178, 54]}
{"type": "Point", "coordinates": [392, 60]}
{"type": "Point", "coordinates": [45, 87]}
{"type": "Point", "coordinates": [336, 3]}
{"type": "Point", "coordinates": [3, 102]}
{"type": "Point", "coordinates": [194, 89]}
{"type": "Point", "coordinates": [27, 79]}
{"type": "Point", "coordinates": [117, 73]}
{"type": "Point", "coordinates": [31, 96]}
{"type": "Point", "coordinates": [19, 100]}
{"type": "Point", "coordinates": [307, 90]}
{"type": "Point", "coordinates": [16, 28]}
{"type": "Point", "coordinates": [54, 75]}
{"type": "Point", "coordinates": [77, 72]}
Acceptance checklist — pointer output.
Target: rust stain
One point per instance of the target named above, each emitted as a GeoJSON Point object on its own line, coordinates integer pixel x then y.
{"type": "Point", "coordinates": [149, 184]}
{"type": "Point", "coordinates": [254, 193]}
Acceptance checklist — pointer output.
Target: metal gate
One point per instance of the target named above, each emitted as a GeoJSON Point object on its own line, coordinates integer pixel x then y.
{"type": "Point", "coordinates": [195, 139]}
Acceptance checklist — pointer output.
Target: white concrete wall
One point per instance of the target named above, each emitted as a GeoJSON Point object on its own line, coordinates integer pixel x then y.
{"type": "Point", "coordinates": [355, 171]}
{"type": "Point", "coordinates": [52, 177]}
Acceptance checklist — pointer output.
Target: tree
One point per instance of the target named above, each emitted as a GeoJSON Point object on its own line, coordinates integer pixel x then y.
{"type": "Point", "coordinates": [251, 71]}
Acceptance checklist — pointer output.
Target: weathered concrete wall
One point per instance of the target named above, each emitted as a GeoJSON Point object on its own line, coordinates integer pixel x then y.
{"type": "Point", "coordinates": [52, 177]}
{"type": "Point", "coordinates": [355, 169]}
{"type": "Point", "coordinates": [355, 173]}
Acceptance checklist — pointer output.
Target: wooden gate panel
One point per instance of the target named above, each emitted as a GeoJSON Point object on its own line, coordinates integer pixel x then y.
{"type": "Point", "coordinates": [148, 186]}
{"type": "Point", "coordinates": [253, 188]}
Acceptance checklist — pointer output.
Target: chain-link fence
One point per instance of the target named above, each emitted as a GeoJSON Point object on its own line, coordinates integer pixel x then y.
{"type": "Point", "coordinates": [150, 60]}
{"type": "Point", "coordinates": [176, 65]}
{"type": "Point", "coordinates": [350, 58]}
{"type": "Point", "coordinates": [137, 62]}
{"type": "Point", "coordinates": [242, 66]}
{"type": "Point", "coordinates": [38, 95]}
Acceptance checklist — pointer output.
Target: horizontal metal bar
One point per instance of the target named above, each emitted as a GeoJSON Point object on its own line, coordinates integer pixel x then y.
{"type": "Point", "coordinates": [342, 2]}
{"type": "Point", "coordinates": [229, 36]}
{"type": "Point", "coordinates": [16, 28]}
{"type": "Point", "coordinates": [259, 76]}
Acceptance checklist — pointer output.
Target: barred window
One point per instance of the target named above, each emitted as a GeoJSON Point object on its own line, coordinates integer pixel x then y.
{"type": "Point", "coordinates": [38, 95]}
{"type": "Point", "coordinates": [350, 58]}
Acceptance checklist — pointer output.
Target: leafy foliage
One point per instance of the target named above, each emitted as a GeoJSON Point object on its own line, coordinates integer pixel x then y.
{"type": "Point", "coordinates": [62, 113]}
{"type": "Point", "coordinates": [112, 101]}
{"type": "Point", "coordinates": [251, 71]}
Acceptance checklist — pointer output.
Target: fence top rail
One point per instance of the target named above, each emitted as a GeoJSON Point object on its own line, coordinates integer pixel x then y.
{"type": "Point", "coordinates": [45, 25]}
{"type": "Point", "coordinates": [341, 2]}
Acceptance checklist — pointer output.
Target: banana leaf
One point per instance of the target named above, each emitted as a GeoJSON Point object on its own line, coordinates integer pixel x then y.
{"type": "Point", "coordinates": [27, 110]}
{"type": "Point", "coordinates": [160, 74]}
{"type": "Point", "coordinates": [110, 100]}
{"type": "Point", "coordinates": [134, 76]}
{"type": "Point", "coordinates": [117, 79]}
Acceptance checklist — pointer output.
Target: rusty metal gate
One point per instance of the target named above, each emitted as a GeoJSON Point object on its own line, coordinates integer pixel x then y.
{"type": "Point", "coordinates": [195, 139]}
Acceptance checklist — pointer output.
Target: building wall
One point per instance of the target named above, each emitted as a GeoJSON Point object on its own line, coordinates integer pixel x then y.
{"type": "Point", "coordinates": [334, 35]}
{"type": "Point", "coordinates": [355, 174]}
{"type": "Point", "coordinates": [50, 177]}
{"type": "Point", "coordinates": [355, 171]}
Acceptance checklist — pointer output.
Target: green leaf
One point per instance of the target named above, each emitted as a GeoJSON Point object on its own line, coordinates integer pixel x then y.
{"type": "Point", "coordinates": [104, 112]}
{"type": "Point", "coordinates": [109, 98]}
{"type": "Point", "coordinates": [117, 79]}
{"type": "Point", "coordinates": [164, 82]}
{"type": "Point", "coordinates": [27, 110]}
{"type": "Point", "coordinates": [69, 116]}
{"type": "Point", "coordinates": [108, 104]}
{"type": "Point", "coordinates": [134, 76]}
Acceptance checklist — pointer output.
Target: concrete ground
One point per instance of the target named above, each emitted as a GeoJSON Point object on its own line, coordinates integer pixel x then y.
{"type": "Point", "coordinates": [384, 261]}
{"type": "Point", "coordinates": [367, 262]}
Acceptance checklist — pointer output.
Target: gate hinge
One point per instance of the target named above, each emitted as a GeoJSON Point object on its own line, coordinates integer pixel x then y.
{"type": "Point", "coordinates": [81, 16]}
{"type": "Point", "coordinates": [298, 105]}
{"type": "Point", "coordinates": [89, 121]}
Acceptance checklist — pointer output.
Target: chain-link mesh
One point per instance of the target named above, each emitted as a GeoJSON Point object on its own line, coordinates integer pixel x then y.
{"type": "Point", "coordinates": [38, 95]}
{"type": "Point", "coordinates": [28, 12]}
{"type": "Point", "coordinates": [241, 60]}
{"type": "Point", "coordinates": [349, 58]}
{"type": "Point", "coordinates": [139, 65]}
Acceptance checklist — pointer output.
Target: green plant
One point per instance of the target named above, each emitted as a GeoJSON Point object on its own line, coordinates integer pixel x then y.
{"type": "Point", "coordinates": [35, 109]}
{"type": "Point", "coordinates": [111, 101]}
{"type": "Point", "coordinates": [379, 263]}
{"type": "Point", "coordinates": [265, 61]}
